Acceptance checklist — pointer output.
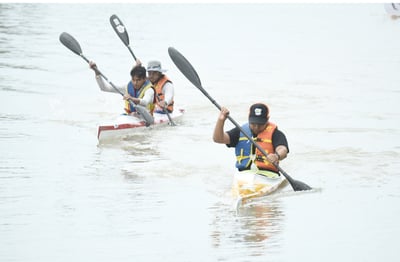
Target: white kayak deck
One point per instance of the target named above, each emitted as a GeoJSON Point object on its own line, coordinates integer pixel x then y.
{"type": "Point", "coordinates": [125, 125]}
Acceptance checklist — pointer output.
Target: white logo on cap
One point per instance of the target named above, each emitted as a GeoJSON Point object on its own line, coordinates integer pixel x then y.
{"type": "Point", "coordinates": [258, 111]}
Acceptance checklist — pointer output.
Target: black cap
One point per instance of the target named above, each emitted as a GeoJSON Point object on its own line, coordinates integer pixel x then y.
{"type": "Point", "coordinates": [259, 114]}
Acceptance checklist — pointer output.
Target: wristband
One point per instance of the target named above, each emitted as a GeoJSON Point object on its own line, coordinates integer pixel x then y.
{"type": "Point", "coordinates": [279, 157]}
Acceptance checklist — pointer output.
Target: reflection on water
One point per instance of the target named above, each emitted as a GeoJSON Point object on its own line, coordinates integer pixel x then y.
{"type": "Point", "coordinates": [253, 232]}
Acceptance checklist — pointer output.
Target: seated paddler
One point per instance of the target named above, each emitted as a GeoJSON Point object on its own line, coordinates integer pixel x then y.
{"type": "Point", "coordinates": [262, 131]}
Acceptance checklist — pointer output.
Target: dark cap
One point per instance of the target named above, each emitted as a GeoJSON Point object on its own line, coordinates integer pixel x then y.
{"type": "Point", "coordinates": [259, 114]}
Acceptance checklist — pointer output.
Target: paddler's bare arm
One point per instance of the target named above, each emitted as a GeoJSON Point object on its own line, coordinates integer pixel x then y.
{"type": "Point", "coordinates": [280, 154]}
{"type": "Point", "coordinates": [220, 136]}
{"type": "Point", "coordinates": [281, 151]}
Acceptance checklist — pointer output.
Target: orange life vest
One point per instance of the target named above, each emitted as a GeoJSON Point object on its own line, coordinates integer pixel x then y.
{"type": "Point", "coordinates": [158, 87]}
{"type": "Point", "coordinates": [264, 139]}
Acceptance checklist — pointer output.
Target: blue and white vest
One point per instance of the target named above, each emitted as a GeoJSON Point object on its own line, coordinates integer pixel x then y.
{"type": "Point", "coordinates": [244, 149]}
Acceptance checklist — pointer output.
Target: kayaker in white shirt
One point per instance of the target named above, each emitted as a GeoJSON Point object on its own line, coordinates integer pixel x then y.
{"type": "Point", "coordinates": [139, 90]}
{"type": "Point", "coordinates": [163, 87]}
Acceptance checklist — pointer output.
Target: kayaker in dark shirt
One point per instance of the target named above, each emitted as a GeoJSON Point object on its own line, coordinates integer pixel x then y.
{"type": "Point", "coordinates": [264, 132]}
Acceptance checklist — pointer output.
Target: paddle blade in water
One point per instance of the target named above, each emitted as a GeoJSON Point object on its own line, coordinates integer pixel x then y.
{"type": "Point", "coordinates": [70, 42]}
{"type": "Point", "coordinates": [184, 66]}
{"type": "Point", "coordinates": [296, 185]}
{"type": "Point", "coordinates": [145, 114]}
{"type": "Point", "coordinates": [300, 186]}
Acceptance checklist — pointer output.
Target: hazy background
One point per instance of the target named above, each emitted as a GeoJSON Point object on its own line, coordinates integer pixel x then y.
{"type": "Point", "coordinates": [329, 72]}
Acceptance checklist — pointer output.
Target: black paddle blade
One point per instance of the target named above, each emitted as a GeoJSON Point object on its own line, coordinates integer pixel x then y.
{"type": "Point", "coordinates": [145, 114]}
{"type": "Point", "coordinates": [296, 185]}
{"type": "Point", "coordinates": [184, 66]}
{"type": "Point", "coordinates": [119, 28]}
{"type": "Point", "coordinates": [70, 42]}
{"type": "Point", "coordinates": [300, 186]}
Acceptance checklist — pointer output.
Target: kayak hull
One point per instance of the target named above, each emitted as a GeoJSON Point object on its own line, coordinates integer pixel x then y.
{"type": "Point", "coordinates": [125, 125]}
{"type": "Point", "coordinates": [250, 184]}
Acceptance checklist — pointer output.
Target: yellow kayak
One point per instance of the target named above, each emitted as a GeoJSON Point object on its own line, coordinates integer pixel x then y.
{"type": "Point", "coordinates": [254, 183]}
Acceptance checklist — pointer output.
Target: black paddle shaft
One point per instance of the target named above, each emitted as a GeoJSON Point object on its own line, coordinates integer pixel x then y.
{"type": "Point", "coordinates": [241, 130]}
{"type": "Point", "coordinates": [190, 73]}
{"type": "Point", "coordinates": [72, 44]}
{"type": "Point", "coordinates": [171, 122]}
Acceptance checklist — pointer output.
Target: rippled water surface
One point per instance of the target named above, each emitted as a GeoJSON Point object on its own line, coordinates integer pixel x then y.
{"type": "Point", "coordinates": [330, 74]}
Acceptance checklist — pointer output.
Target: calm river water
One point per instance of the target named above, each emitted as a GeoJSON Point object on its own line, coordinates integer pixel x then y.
{"type": "Point", "coordinates": [330, 74]}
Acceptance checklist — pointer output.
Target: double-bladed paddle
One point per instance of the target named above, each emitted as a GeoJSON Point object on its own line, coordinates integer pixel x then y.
{"type": "Point", "coordinates": [73, 45]}
{"type": "Point", "coordinates": [120, 29]}
{"type": "Point", "coordinates": [190, 73]}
